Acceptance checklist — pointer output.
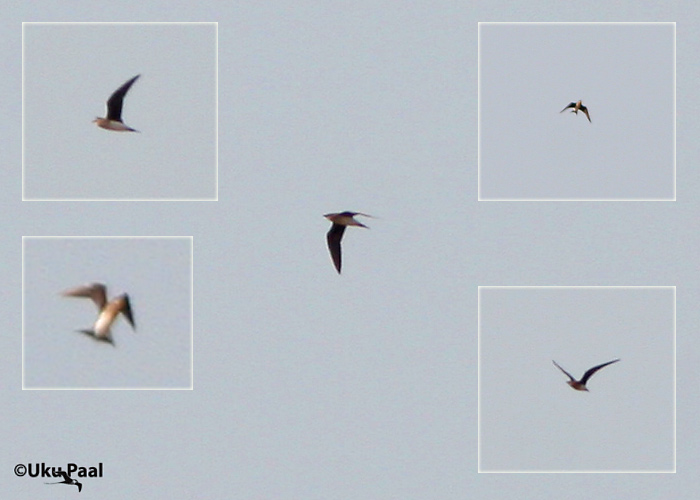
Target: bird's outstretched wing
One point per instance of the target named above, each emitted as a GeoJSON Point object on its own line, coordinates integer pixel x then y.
{"type": "Point", "coordinates": [114, 104]}
{"type": "Point", "coordinates": [570, 105]}
{"type": "Point", "coordinates": [122, 305]}
{"type": "Point", "coordinates": [565, 372]}
{"type": "Point", "coordinates": [95, 291]}
{"type": "Point", "coordinates": [590, 372]}
{"type": "Point", "coordinates": [335, 234]}
{"type": "Point", "coordinates": [585, 110]}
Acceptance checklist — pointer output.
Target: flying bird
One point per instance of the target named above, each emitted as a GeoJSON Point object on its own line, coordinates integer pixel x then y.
{"type": "Point", "coordinates": [340, 222]}
{"type": "Point", "coordinates": [580, 385]}
{"type": "Point", "coordinates": [107, 311]}
{"type": "Point", "coordinates": [578, 106]}
{"type": "Point", "coordinates": [69, 480]}
{"type": "Point", "coordinates": [113, 121]}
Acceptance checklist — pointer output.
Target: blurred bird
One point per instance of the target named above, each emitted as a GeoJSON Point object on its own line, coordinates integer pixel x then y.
{"type": "Point", "coordinates": [340, 222]}
{"type": "Point", "coordinates": [107, 311]}
{"type": "Point", "coordinates": [580, 385]}
{"type": "Point", "coordinates": [113, 121]}
{"type": "Point", "coordinates": [578, 106]}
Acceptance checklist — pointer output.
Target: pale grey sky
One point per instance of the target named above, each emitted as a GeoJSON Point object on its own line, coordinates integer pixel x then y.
{"type": "Point", "coordinates": [310, 385]}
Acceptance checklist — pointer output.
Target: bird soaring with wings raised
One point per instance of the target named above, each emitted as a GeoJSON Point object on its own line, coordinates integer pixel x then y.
{"type": "Point", "coordinates": [580, 385]}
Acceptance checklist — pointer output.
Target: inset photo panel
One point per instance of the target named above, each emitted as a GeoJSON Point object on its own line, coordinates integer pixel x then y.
{"type": "Point", "coordinates": [577, 111]}
{"type": "Point", "coordinates": [119, 111]}
{"type": "Point", "coordinates": [107, 312]}
{"type": "Point", "coordinates": [577, 380]}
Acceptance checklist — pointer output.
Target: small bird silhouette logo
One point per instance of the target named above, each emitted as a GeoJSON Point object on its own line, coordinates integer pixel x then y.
{"type": "Point", "coordinates": [577, 106]}
{"type": "Point", "coordinates": [580, 385]}
{"type": "Point", "coordinates": [68, 480]}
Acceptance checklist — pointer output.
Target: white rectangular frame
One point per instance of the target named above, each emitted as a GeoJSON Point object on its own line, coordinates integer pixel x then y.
{"type": "Point", "coordinates": [478, 439]}
{"type": "Point", "coordinates": [675, 117]}
{"type": "Point", "coordinates": [216, 113]}
{"type": "Point", "coordinates": [191, 386]}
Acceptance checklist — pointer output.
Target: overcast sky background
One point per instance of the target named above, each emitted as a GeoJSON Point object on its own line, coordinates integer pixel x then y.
{"type": "Point", "coordinates": [310, 385]}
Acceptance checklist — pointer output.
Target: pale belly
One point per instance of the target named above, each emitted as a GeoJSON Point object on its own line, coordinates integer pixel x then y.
{"type": "Point", "coordinates": [112, 125]}
{"type": "Point", "coordinates": [104, 321]}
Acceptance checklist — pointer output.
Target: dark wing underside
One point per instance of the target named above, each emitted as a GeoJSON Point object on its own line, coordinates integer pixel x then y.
{"type": "Point", "coordinates": [334, 236]}
{"type": "Point", "coordinates": [590, 372]}
{"type": "Point", "coordinates": [114, 104]}
{"type": "Point", "coordinates": [585, 110]}
{"type": "Point", "coordinates": [571, 105]}
{"type": "Point", "coordinates": [128, 314]}
{"type": "Point", "coordinates": [565, 372]}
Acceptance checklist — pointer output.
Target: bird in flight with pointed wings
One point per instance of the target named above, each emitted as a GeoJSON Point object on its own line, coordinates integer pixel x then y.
{"type": "Point", "coordinates": [580, 385]}
{"type": "Point", "coordinates": [113, 120]}
{"type": "Point", "coordinates": [107, 311]}
{"type": "Point", "coordinates": [577, 106]}
{"type": "Point", "coordinates": [335, 234]}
